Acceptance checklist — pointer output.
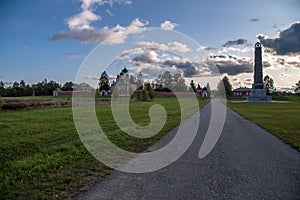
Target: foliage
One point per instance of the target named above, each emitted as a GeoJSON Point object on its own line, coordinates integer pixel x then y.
{"type": "Point", "coordinates": [168, 82]}
{"type": "Point", "coordinates": [150, 90]}
{"type": "Point", "coordinates": [193, 87]}
{"type": "Point", "coordinates": [226, 86]}
{"type": "Point", "coordinates": [208, 86]}
{"type": "Point", "coordinates": [97, 93]}
{"type": "Point", "coordinates": [297, 89]}
{"type": "Point", "coordinates": [104, 82]}
{"type": "Point", "coordinates": [42, 88]}
{"type": "Point", "coordinates": [145, 95]}
{"type": "Point", "coordinates": [1, 102]}
{"type": "Point", "coordinates": [268, 84]}
{"type": "Point", "coordinates": [139, 94]}
{"type": "Point", "coordinates": [45, 159]}
{"type": "Point", "coordinates": [68, 86]}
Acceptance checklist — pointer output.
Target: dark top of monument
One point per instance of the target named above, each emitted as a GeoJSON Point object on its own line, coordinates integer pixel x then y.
{"type": "Point", "coordinates": [257, 45]}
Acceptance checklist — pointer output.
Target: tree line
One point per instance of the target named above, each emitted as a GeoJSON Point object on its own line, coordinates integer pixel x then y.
{"type": "Point", "coordinates": [42, 88]}
{"type": "Point", "coordinates": [164, 82]}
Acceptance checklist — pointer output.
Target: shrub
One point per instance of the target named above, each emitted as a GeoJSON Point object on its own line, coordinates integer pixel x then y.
{"type": "Point", "coordinates": [145, 95]}
{"type": "Point", "coordinates": [1, 102]}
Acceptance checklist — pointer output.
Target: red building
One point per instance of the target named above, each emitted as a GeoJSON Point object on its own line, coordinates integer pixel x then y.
{"type": "Point", "coordinates": [241, 92]}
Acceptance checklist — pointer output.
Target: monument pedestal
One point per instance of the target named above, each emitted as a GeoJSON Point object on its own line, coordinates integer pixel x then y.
{"type": "Point", "coordinates": [258, 95]}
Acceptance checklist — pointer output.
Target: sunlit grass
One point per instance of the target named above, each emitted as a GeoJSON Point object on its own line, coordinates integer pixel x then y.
{"type": "Point", "coordinates": [282, 118]}
{"type": "Point", "coordinates": [42, 156]}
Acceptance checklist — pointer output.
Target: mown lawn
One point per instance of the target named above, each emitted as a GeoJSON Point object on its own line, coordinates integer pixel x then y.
{"type": "Point", "coordinates": [282, 118]}
{"type": "Point", "coordinates": [42, 156]}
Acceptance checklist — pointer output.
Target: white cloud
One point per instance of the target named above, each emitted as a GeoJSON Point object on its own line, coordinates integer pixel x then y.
{"type": "Point", "coordinates": [234, 49]}
{"type": "Point", "coordinates": [129, 52]}
{"type": "Point", "coordinates": [74, 56]}
{"type": "Point", "coordinates": [81, 28]}
{"type": "Point", "coordinates": [106, 35]}
{"type": "Point", "coordinates": [167, 25]}
{"type": "Point", "coordinates": [82, 20]}
{"type": "Point", "coordinates": [172, 46]}
{"type": "Point", "coordinates": [91, 4]}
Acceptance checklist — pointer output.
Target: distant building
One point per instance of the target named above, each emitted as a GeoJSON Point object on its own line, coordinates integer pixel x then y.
{"type": "Point", "coordinates": [203, 92]}
{"type": "Point", "coordinates": [241, 92]}
{"type": "Point", "coordinates": [125, 88]}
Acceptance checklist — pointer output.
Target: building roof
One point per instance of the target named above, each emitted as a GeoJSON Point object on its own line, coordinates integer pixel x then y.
{"type": "Point", "coordinates": [124, 70]}
{"type": "Point", "coordinates": [242, 90]}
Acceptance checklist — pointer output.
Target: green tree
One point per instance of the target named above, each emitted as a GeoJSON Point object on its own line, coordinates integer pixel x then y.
{"type": "Point", "coordinates": [1, 102]}
{"type": "Point", "coordinates": [67, 86]}
{"type": "Point", "coordinates": [268, 83]}
{"type": "Point", "coordinates": [226, 86]}
{"type": "Point", "coordinates": [3, 91]}
{"type": "Point", "coordinates": [193, 87]}
{"type": "Point", "coordinates": [297, 89]}
{"type": "Point", "coordinates": [145, 95]}
{"type": "Point", "coordinates": [104, 82]}
{"type": "Point", "coordinates": [167, 82]}
{"type": "Point", "coordinates": [179, 84]}
{"type": "Point", "coordinates": [208, 86]}
{"type": "Point", "coordinates": [150, 90]}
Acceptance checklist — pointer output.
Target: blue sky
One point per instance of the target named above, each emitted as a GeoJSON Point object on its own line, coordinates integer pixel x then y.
{"type": "Point", "coordinates": [47, 39]}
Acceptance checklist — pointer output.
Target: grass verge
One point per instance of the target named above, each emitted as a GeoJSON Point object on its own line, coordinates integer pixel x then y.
{"type": "Point", "coordinates": [42, 156]}
{"type": "Point", "coordinates": [281, 117]}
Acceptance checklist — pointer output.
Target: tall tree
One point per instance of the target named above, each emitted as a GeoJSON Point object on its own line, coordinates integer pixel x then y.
{"type": "Point", "coordinates": [226, 86]}
{"type": "Point", "coordinates": [104, 82]}
{"type": "Point", "coordinates": [193, 87]}
{"type": "Point", "coordinates": [297, 89]}
{"type": "Point", "coordinates": [68, 86]}
{"type": "Point", "coordinates": [268, 83]}
{"type": "Point", "coordinates": [168, 82]}
{"type": "Point", "coordinates": [208, 86]}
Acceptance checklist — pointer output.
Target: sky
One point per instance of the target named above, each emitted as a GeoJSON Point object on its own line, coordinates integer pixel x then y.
{"type": "Point", "coordinates": [51, 38]}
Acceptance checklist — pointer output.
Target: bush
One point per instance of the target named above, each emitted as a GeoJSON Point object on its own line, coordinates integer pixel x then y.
{"type": "Point", "coordinates": [145, 95]}
{"type": "Point", "coordinates": [1, 102]}
{"type": "Point", "coordinates": [151, 93]}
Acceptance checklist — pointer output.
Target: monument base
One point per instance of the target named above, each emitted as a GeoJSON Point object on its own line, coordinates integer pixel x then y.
{"type": "Point", "coordinates": [258, 95]}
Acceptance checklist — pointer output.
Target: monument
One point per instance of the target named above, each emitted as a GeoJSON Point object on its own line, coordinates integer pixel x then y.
{"type": "Point", "coordinates": [258, 92]}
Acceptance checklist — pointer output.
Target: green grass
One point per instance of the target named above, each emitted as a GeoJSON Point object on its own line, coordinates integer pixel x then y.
{"type": "Point", "coordinates": [282, 118]}
{"type": "Point", "coordinates": [42, 156]}
{"type": "Point", "coordinates": [50, 98]}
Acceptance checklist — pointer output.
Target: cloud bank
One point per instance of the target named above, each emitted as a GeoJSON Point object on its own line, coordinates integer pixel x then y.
{"type": "Point", "coordinates": [285, 43]}
{"type": "Point", "coordinates": [81, 25]}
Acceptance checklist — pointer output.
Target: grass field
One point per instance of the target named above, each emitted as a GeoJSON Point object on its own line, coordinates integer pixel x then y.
{"type": "Point", "coordinates": [282, 118]}
{"type": "Point", "coordinates": [42, 156]}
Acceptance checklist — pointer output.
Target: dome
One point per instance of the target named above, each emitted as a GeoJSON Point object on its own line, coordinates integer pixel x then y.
{"type": "Point", "coordinates": [124, 70]}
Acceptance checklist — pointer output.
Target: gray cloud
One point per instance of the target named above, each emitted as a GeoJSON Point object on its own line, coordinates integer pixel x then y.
{"type": "Point", "coordinates": [235, 42]}
{"type": "Point", "coordinates": [189, 69]}
{"type": "Point", "coordinates": [148, 57]}
{"type": "Point", "coordinates": [286, 42]}
{"type": "Point", "coordinates": [233, 65]}
{"type": "Point", "coordinates": [115, 35]}
{"type": "Point", "coordinates": [254, 20]}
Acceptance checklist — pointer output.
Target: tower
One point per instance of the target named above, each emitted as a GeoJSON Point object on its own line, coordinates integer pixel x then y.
{"type": "Point", "coordinates": [258, 73]}
{"type": "Point", "coordinates": [258, 92]}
